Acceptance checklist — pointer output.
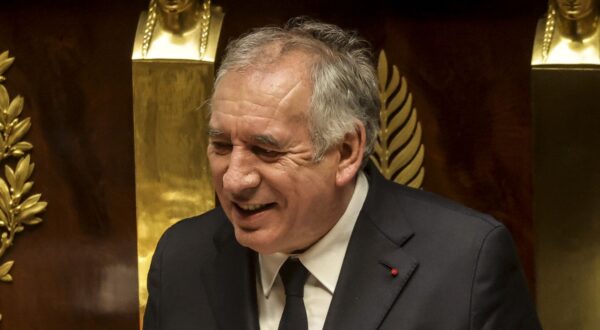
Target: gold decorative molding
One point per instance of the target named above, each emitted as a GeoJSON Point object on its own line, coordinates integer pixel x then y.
{"type": "Point", "coordinates": [203, 16]}
{"type": "Point", "coordinates": [178, 30]}
{"type": "Point", "coordinates": [569, 34]}
{"type": "Point", "coordinates": [399, 152]}
{"type": "Point", "coordinates": [16, 211]}
{"type": "Point", "coordinates": [172, 77]}
{"type": "Point", "coordinates": [548, 32]}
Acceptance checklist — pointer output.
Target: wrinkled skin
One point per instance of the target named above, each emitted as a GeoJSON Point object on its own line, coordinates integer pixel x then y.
{"type": "Point", "coordinates": [261, 157]}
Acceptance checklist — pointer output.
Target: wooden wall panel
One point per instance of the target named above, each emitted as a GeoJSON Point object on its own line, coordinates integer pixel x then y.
{"type": "Point", "coordinates": [467, 64]}
{"type": "Point", "coordinates": [472, 91]}
{"type": "Point", "coordinates": [77, 270]}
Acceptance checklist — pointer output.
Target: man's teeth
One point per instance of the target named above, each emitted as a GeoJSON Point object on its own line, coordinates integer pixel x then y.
{"type": "Point", "coordinates": [252, 207]}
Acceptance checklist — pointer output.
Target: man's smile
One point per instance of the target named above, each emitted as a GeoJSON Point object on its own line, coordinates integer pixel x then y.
{"type": "Point", "coordinates": [252, 209]}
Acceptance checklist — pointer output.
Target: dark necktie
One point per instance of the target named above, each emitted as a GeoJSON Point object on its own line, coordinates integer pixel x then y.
{"type": "Point", "coordinates": [294, 275]}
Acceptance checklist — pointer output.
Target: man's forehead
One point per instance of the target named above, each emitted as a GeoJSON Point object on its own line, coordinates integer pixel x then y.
{"type": "Point", "coordinates": [224, 123]}
{"type": "Point", "coordinates": [276, 78]}
{"type": "Point", "coordinates": [283, 93]}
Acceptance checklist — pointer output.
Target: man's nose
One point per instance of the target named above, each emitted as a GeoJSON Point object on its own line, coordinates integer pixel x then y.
{"type": "Point", "coordinates": [241, 177]}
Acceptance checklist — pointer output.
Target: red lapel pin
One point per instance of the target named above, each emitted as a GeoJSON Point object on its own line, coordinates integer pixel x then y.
{"type": "Point", "coordinates": [393, 270]}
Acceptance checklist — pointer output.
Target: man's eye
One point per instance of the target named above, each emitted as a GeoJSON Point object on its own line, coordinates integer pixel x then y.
{"type": "Point", "coordinates": [221, 147]}
{"type": "Point", "coordinates": [266, 153]}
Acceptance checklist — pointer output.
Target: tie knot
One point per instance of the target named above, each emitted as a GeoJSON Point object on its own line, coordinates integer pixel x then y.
{"type": "Point", "coordinates": [294, 275]}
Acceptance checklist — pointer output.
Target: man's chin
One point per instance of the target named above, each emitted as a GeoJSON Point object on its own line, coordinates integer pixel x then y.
{"type": "Point", "coordinates": [255, 239]}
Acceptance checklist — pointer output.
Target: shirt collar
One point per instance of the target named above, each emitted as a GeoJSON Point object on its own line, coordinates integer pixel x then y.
{"type": "Point", "coordinates": [324, 259]}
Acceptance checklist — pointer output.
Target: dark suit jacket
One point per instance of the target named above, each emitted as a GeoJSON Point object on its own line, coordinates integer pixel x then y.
{"type": "Point", "coordinates": [457, 270]}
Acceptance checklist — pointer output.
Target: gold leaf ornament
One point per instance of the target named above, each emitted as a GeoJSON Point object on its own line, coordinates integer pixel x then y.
{"type": "Point", "coordinates": [5, 63]}
{"type": "Point", "coordinates": [4, 269]}
{"type": "Point", "coordinates": [398, 153]}
{"type": "Point", "coordinates": [17, 210]}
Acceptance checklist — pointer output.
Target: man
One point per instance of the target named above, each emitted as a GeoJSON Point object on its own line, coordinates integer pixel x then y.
{"type": "Point", "coordinates": [293, 120]}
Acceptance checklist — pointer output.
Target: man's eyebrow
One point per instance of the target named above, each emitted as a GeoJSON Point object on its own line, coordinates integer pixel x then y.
{"type": "Point", "coordinates": [267, 140]}
{"type": "Point", "coordinates": [214, 132]}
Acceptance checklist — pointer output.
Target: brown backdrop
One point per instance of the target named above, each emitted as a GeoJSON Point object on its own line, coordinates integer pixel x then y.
{"type": "Point", "coordinates": [467, 64]}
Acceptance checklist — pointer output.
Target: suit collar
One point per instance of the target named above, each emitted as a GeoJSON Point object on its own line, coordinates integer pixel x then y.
{"type": "Point", "coordinates": [323, 259]}
{"type": "Point", "coordinates": [230, 282]}
{"type": "Point", "coordinates": [367, 289]}
{"type": "Point", "coordinates": [386, 209]}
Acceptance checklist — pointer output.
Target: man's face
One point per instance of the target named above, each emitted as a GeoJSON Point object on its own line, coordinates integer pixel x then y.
{"type": "Point", "coordinates": [260, 155]}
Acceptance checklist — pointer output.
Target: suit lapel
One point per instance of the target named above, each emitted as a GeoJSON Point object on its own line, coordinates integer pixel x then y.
{"type": "Point", "coordinates": [367, 287]}
{"type": "Point", "coordinates": [230, 283]}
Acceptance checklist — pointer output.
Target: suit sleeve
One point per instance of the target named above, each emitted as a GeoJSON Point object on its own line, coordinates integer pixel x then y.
{"type": "Point", "coordinates": [500, 297]}
{"type": "Point", "coordinates": [151, 315]}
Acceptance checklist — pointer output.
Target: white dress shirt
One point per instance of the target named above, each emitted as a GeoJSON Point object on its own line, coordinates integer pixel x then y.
{"type": "Point", "coordinates": [324, 262]}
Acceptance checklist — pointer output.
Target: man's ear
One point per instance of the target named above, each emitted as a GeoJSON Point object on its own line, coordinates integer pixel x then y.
{"type": "Point", "coordinates": [352, 151]}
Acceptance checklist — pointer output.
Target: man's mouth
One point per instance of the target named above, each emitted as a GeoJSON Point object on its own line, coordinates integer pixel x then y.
{"type": "Point", "coordinates": [250, 209]}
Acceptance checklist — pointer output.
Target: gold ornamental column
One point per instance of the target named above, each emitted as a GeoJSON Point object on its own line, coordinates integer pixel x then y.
{"type": "Point", "coordinates": [566, 108]}
{"type": "Point", "coordinates": [173, 73]}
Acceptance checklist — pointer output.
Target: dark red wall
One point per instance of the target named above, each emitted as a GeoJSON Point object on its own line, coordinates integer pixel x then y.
{"type": "Point", "coordinates": [467, 64]}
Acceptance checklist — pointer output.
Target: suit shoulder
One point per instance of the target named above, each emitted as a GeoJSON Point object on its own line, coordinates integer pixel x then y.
{"type": "Point", "coordinates": [446, 205]}
{"type": "Point", "coordinates": [194, 234]}
{"type": "Point", "coordinates": [428, 210]}
{"type": "Point", "coordinates": [205, 224]}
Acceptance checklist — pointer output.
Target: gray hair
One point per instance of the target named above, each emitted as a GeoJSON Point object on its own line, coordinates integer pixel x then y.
{"type": "Point", "coordinates": [344, 81]}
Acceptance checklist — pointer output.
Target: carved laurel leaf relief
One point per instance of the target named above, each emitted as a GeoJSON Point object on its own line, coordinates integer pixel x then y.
{"type": "Point", "coordinates": [17, 208]}
{"type": "Point", "coordinates": [399, 152]}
